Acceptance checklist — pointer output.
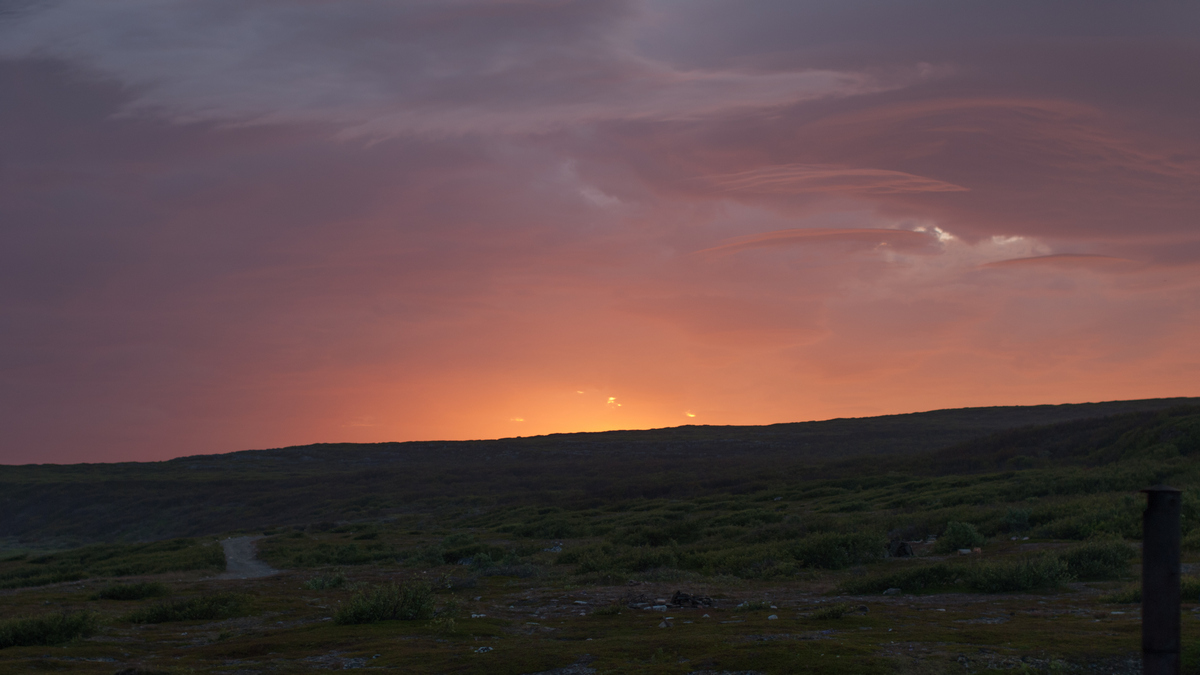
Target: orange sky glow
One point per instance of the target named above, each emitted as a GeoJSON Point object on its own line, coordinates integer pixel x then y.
{"type": "Point", "coordinates": [269, 224]}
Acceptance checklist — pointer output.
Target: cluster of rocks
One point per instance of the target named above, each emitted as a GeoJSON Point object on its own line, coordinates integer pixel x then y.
{"type": "Point", "coordinates": [679, 600]}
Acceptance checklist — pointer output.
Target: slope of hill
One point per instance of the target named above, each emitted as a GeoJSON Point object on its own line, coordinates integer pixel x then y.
{"type": "Point", "coordinates": [330, 482]}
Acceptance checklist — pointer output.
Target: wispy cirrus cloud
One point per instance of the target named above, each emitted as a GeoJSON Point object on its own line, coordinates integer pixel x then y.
{"type": "Point", "coordinates": [907, 240]}
{"type": "Point", "coordinates": [825, 179]}
{"type": "Point", "coordinates": [1066, 260]}
{"type": "Point", "coordinates": [381, 69]}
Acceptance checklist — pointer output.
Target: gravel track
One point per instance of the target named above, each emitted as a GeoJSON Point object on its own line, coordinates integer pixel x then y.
{"type": "Point", "coordinates": [241, 561]}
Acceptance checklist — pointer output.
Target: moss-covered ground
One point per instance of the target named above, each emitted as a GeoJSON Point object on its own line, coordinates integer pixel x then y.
{"type": "Point", "coordinates": [553, 617]}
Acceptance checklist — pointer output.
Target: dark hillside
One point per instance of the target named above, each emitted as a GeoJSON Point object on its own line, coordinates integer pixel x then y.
{"type": "Point", "coordinates": [1159, 435]}
{"type": "Point", "coordinates": [199, 495]}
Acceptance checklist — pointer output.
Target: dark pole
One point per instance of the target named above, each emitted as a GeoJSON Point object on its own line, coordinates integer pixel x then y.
{"type": "Point", "coordinates": [1160, 582]}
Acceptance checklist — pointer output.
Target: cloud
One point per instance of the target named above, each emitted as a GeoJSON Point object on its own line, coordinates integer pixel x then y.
{"type": "Point", "coordinates": [1064, 260]}
{"type": "Point", "coordinates": [826, 179]}
{"type": "Point", "coordinates": [380, 68]}
{"type": "Point", "coordinates": [862, 237]}
{"type": "Point", "coordinates": [194, 261]}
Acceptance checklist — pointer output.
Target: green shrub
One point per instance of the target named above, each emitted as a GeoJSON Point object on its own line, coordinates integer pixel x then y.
{"type": "Point", "coordinates": [47, 630]}
{"type": "Point", "coordinates": [203, 608]}
{"type": "Point", "coordinates": [427, 556]}
{"type": "Point", "coordinates": [1099, 560]}
{"type": "Point", "coordinates": [838, 551]}
{"type": "Point", "coordinates": [1016, 520]}
{"type": "Point", "coordinates": [645, 558]}
{"type": "Point", "coordinates": [1008, 576]}
{"type": "Point", "coordinates": [836, 611]}
{"type": "Point", "coordinates": [610, 610]}
{"type": "Point", "coordinates": [909, 580]}
{"type": "Point", "coordinates": [522, 571]}
{"type": "Point", "coordinates": [388, 602]}
{"type": "Point", "coordinates": [767, 568]}
{"type": "Point", "coordinates": [113, 560]}
{"type": "Point", "coordinates": [321, 582]}
{"type": "Point", "coordinates": [959, 535]}
{"type": "Point", "coordinates": [146, 589]}
{"type": "Point", "coordinates": [325, 553]}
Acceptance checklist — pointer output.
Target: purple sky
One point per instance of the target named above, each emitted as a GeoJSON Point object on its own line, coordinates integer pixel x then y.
{"type": "Point", "coordinates": [229, 225]}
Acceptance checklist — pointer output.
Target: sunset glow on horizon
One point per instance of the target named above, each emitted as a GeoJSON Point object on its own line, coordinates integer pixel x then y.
{"type": "Point", "coordinates": [232, 225]}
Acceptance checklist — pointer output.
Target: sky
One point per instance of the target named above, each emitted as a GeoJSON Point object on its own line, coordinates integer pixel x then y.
{"type": "Point", "coordinates": [230, 225]}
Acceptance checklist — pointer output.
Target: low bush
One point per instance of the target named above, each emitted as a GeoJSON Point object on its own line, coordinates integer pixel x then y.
{"type": "Point", "coordinates": [911, 580]}
{"type": "Point", "coordinates": [203, 608]}
{"type": "Point", "coordinates": [47, 630]}
{"type": "Point", "coordinates": [1016, 520]}
{"type": "Point", "coordinates": [1099, 560]}
{"type": "Point", "coordinates": [959, 535]}
{"type": "Point", "coordinates": [321, 582]}
{"type": "Point", "coordinates": [1009, 576]}
{"type": "Point", "coordinates": [450, 582]}
{"type": "Point", "coordinates": [522, 571]}
{"type": "Point", "coordinates": [146, 589]}
{"type": "Point", "coordinates": [112, 560]}
{"type": "Point", "coordinates": [388, 602]}
{"type": "Point", "coordinates": [836, 611]}
{"type": "Point", "coordinates": [838, 551]}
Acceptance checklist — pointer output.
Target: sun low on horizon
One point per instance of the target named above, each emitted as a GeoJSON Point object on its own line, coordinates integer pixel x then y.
{"type": "Point", "coordinates": [232, 225]}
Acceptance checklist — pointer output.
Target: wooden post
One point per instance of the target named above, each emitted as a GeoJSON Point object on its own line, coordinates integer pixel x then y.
{"type": "Point", "coordinates": [1160, 582]}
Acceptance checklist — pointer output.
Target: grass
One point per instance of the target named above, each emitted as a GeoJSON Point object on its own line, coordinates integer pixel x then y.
{"type": "Point", "coordinates": [321, 582]}
{"type": "Point", "coordinates": [834, 611]}
{"type": "Point", "coordinates": [1092, 561]}
{"type": "Point", "coordinates": [51, 629]}
{"type": "Point", "coordinates": [755, 605]}
{"type": "Point", "coordinates": [111, 560]}
{"type": "Point", "coordinates": [388, 602]}
{"type": "Point", "coordinates": [1099, 560]}
{"type": "Point", "coordinates": [1015, 576]}
{"type": "Point", "coordinates": [138, 591]}
{"type": "Point", "coordinates": [203, 608]}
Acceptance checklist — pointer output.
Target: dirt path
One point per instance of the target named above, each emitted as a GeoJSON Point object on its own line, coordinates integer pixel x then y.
{"type": "Point", "coordinates": [241, 561]}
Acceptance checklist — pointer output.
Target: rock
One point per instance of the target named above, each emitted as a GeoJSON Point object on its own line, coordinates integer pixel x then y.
{"type": "Point", "coordinates": [892, 591]}
{"type": "Point", "coordinates": [483, 650]}
{"type": "Point", "coordinates": [772, 617]}
{"type": "Point", "coordinates": [964, 551]}
{"type": "Point", "coordinates": [665, 624]}
{"type": "Point", "coordinates": [687, 600]}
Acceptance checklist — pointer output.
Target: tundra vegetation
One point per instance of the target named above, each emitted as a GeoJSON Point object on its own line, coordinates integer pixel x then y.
{"type": "Point", "coordinates": [672, 551]}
